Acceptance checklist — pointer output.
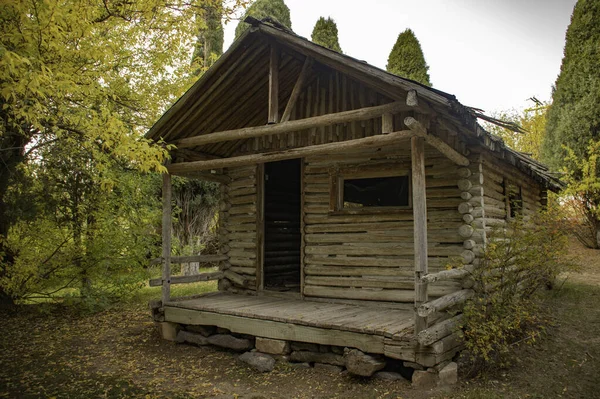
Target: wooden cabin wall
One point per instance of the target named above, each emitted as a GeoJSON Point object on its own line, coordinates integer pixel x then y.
{"type": "Point", "coordinates": [237, 228]}
{"type": "Point", "coordinates": [496, 173]}
{"type": "Point", "coordinates": [370, 256]}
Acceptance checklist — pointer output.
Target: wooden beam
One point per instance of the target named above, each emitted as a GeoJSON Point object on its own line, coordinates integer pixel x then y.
{"type": "Point", "coordinates": [339, 147]}
{"type": "Point", "coordinates": [274, 85]}
{"type": "Point", "coordinates": [419, 205]}
{"type": "Point", "coordinates": [298, 87]}
{"type": "Point", "coordinates": [360, 114]}
{"type": "Point", "coordinates": [436, 142]}
{"type": "Point", "coordinates": [157, 282]}
{"type": "Point", "coordinates": [412, 98]}
{"type": "Point", "coordinates": [445, 302]}
{"type": "Point", "coordinates": [166, 238]}
{"type": "Point", "coordinates": [193, 258]}
{"type": "Point", "coordinates": [275, 329]}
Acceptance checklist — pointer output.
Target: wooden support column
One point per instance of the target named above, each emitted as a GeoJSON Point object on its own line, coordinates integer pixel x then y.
{"type": "Point", "coordinates": [419, 204]}
{"type": "Point", "coordinates": [274, 85]}
{"type": "Point", "coordinates": [166, 238]}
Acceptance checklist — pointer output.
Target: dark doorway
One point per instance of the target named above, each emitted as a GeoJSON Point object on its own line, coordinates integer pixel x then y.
{"type": "Point", "coordinates": [281, 269]}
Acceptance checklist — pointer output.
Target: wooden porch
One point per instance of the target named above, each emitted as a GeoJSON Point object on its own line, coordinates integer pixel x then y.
{"type": "Point", "coordinates": [370, 328]}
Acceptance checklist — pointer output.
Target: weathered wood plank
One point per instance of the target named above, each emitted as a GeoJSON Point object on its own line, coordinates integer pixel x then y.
{"type": "Point", "coordinates": [188, 279]}
{"type": "Point", "coordinates": [276, 330]}
{"type": "Point", "coordinates": [419, 202]}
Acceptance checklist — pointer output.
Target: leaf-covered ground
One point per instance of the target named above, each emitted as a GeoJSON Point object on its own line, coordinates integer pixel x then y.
{"type": "Point", "coordinates": [117, 353]}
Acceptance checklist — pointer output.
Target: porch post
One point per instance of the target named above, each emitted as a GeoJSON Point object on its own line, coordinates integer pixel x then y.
{"type": "Point", "coordinates": [166, 238]}
{"type": "Point", "coordinates": [419, 205]}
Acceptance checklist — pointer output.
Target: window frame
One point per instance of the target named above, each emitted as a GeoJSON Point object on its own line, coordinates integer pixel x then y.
{"type": "Point", "coordinates": [336, 188]}
{"type": "Point", "coordinates": [507, 183]}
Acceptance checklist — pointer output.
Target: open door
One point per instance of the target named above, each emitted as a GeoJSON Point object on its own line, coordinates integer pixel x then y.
{"type": "Point", "coordinates": [282, 202]}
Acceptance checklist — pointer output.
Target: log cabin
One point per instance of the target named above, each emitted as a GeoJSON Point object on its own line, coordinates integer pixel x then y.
{"type": "Point", "coordinates": [345, 192]}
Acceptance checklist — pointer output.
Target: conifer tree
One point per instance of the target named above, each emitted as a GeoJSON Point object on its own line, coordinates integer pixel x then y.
{"type": "Point", "coordinates": [407, 60]}
{"type": "Point", "coordinates": [325, 33]}
{"type": "Point", "coordinates": [209, 41]}
{"type": "Point", "coordinates": [574, 116]}
{"type": "Point", "coordinates": [275, 9]}
{"type": "Point", "coordinates": [573, 129]}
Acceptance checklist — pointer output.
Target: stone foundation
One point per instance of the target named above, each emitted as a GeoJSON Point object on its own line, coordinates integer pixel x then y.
{"type": "Point", "coordinates": [261, 354]}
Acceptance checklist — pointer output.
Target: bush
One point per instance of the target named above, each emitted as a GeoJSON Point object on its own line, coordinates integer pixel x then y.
{"type": "Point", "coordinates": [518, 262]}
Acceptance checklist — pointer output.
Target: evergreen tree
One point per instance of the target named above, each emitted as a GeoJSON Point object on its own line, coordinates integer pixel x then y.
{"type": "Point", "coordinates": [275, 9]}
{"type": "Point", "coordinates": [209, 42]}
{"type": "Point", "coordinates": [573, 128]}
{"type": "Point", "coordinates": [407, 60]}
{"type": "Point", "coordinates": [325, 33]}
{"type": "Point", "coordinates": [574, 116]}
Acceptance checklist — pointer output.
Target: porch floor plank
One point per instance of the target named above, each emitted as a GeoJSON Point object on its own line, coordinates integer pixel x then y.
{"type": "Point", "coordinates": [370, 319]}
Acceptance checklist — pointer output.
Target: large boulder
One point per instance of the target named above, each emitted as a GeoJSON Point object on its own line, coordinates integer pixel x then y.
{"type": "Point", "coordinates": [230, 342]}
{"type": "Point", "coordinates": [191, 338]}
{"type": "Point", "coordinates": [363, 364]}
{"type": "Point", "coordinates": [258, 361]}
{"type": "Point", "coordinates": [272, 346]}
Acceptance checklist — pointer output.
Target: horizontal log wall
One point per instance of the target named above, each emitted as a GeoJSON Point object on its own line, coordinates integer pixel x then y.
{"type": "Point", "coordinates": [495, 173]}
{"type": "Point", "coordinates": [237, 231]}
{"type": "Point", "coordinates": [370, 256]}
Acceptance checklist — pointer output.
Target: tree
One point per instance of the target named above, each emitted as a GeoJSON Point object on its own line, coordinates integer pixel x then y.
{"type": "Point", "coordinates": [573, 128]}
{"type": "Point", "coordinates": [209, 41]}
{"type": "Point", "coordinates": [407, 60]}
{"type": "Point", "coordinates": [574, 116]}
{"type": "Point", "coordinates": [275, 9]}
{"type": "Point", "coordinates": [96, 74]}
{"type": "Point", "coordinates": [533, 122]}
{"type": "Point", "coordinates": [325, 33]}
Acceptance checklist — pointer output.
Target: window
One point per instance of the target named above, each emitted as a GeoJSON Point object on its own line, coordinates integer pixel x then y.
{"type": "Point", "coordinates": [372, 188]}
{"type": "Point", "coordinates": [376, 191]}
{"type": "Point", "coordinates": [514, 199]}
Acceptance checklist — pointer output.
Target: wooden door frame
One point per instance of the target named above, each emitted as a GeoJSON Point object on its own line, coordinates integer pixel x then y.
{"type": "Point", "coordinates": [260, 227]}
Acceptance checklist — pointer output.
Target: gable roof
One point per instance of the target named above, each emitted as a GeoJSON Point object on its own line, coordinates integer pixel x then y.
{"type": "Point", "coordinates": [220, 88]}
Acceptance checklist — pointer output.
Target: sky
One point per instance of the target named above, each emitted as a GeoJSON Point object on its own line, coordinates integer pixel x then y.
{"type": "Point", "coordinates": [491, 54]}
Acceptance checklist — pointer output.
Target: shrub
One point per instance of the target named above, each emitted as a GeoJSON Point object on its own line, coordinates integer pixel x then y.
{"type": "Point", "coordinates": [519, 261]}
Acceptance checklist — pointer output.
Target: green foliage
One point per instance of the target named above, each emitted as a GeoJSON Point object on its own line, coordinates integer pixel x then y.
{"type": "Point", "coordinates": [574, 116]}
{"type": "Point", "coordinates": [80, 82]}
{"type": "Point", "coordinates": [573, 128]}
{"type": "Point", "coordinates": [89, 243]}
{"type": "Point", "coordinates": [275, 9]}
{"type": "Point", "coordinates": [532, 120]}
{"type": "Point", "coordinates": [325, 33]}
{"type": "Point", "coordinates": [518, 262]}
{"type": "Point", "coordinates": [582, 195]}
{"type": "Point", "coordinates": [209, 41]}
{"type": "Point", "coordinates": [407, 60]}
{"type": "Point", "coordinates": [196, 205]}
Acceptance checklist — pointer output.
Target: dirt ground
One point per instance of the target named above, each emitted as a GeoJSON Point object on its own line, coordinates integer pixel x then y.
{"type": "Point", "coordinates": [54, 352]}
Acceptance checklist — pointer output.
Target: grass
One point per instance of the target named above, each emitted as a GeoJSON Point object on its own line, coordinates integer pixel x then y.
{"type": "Point", "coordinates": [117, 353]}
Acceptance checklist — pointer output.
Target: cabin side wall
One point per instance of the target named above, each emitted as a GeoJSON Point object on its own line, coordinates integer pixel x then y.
{"type": "Point", "coordinates": [499, 174]}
